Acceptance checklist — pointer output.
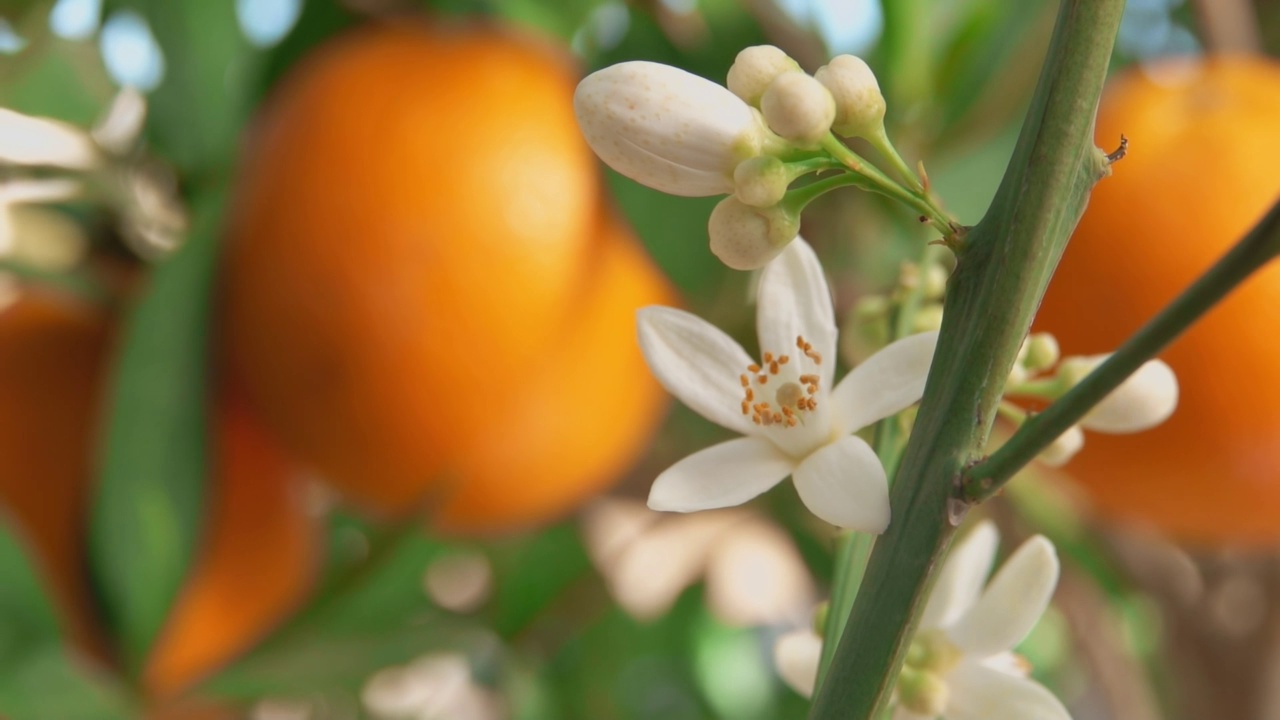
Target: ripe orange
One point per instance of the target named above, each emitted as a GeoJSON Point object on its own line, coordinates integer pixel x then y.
{"type": "Point", "coordinates": [1202, 169]}
{"type": "Point", "coordinates": [412, 221]}
{"type": "Point", "coordinates": [52, 349]}
{"type": "Point", "coordinates": [259, 556]}
{"type": "Point", "coordinates": [576, 424]}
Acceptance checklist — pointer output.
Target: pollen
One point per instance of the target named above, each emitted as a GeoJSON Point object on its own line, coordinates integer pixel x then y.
{"type": "Point", "coordinates": [793, 393]}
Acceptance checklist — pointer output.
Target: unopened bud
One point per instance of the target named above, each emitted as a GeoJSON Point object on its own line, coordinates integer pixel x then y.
{"type": "Point", "coordinates": [1144, 400]}
{"type": "Point", "coordinates": [756, 67]}
{"type": "Point", "coordinates": [796, 656]}
{"type": "Point", "coordinates": [746, 237]}
{"type": "Point", "coordinates": [798, 108]}
{"type": "Point", "coordinates": [935, 281]}
{"type": "Point", "coordinates": [1040, 352]}
{"type": "Point", "coordinates": [1061, 450]}
{"type": "Point", "coordinates": [928, 317]}
{"type": "Point", "coordinates": [922, 692]}
{"type": "Point", "coordinates": [666, 128]}
{"type": "Point", "coordinates": [860, 105]}
{"type": "Point", "coordinates": [761, 181]}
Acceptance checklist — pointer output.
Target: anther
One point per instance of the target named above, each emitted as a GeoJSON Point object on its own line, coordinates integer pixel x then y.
{"type": "Point", "coordinates": [762, 379]}
{"type": "Point", "coordinates": [773, 367]}
{"type": "Point", "coordinates": [784, 359]}
{"type": "Point", "coordinates": [746, 407]}
{"type": "Point", "coordinates": [768, 358]}
{"type": "Point", "coordinates": [751, 395]}
{"type": "Point", "coordinates": [754, 368]}
{"type": "Point", "coordinates": [746, 381]}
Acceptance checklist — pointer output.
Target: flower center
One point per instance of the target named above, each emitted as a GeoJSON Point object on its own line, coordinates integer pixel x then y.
{"type": "Point", "coordinates": [794, 391]}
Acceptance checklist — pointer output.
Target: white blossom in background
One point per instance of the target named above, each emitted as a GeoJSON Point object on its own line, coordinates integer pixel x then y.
{"type": "Point", "coordinates": [960, 665]}
{"type": "Point", "coordinates": [794, 422]}
{"type": "Point", "coordinates": [668, 129]}
{"type": "Point", "coordinates": [439, 686]}
{"type": "Point", "coordinates": [754, 573]}
{"type": "Point", "coordinates": [37, 141]}
{"type": "Point", "coordinates": [1147, 398]}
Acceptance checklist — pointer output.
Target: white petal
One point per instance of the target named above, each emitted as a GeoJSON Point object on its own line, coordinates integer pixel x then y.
{"type": "Point", "coordinates": [796, 655]}
{"type": "Point", "coordinates": [697, 363]}
{"type": "Point", "coordinates": [666, 128]}
{"type": "Point", "coordinates": [981, 693]}
{"type": "Point", "coordinates": [901, 713]}
{"type": "Point", "coordinates": [960, 581]}
{"type": "Point", "coordinates": [1063, 448]}
{"type": "Point", "coordinates": [27, 140]}
{"type": "Point", "coordinates": [794, 300]}
{"type": "Point", "coordinates": [757, 577]}
{"type": "Point", "coordinates": [844, 483]}
{"type": "Point", "coordinates": [39, 191]}
{"type": "Point", "coordinates": [1146, 399]}
{"type": "Point", "coordinates": [1012, 603]}
{"type": "Point", "coordinates": [647, 577]}
{"type": "Point", "coordinates": [720, 476]}
{"type": "Point", "coordinates": [886, 383]}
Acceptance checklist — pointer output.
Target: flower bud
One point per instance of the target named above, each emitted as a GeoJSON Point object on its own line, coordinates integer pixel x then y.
{"type": "Point", "coordinates": [761, 181]}
{"type": "Point", "coordinates": [798, 108]}
{"type": "Point", "coordinates": [1040, 352]}
{"type": "Point", "coordinates": [796, 655]}
{"type": "Point", "coordinates": [922, 692]}
{"type": "Point", "coordinates": [859, 104]}
{"type": "Point", "coordinates": [756, 67]}
{"type": "Point", "coordinates": [1060, 451]}
{"type": "Point", "coordinates": [1144, 400]}
{"type": "Point", "coordinates": [666, 128]}
{"type": "Point", "coordinates": [935, 281]}
{"type": "Point", "coordinates": [746, 237]}
{"type": "Point", "coordinates": [928, 317]}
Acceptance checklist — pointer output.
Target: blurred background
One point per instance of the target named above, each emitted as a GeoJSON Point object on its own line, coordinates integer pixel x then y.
{"type": "Point", "coordinates": [319, 394]}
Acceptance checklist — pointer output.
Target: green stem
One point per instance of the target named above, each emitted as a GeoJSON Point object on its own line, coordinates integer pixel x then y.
{"type": "Point", "coordinates": [880, 141]}
{"type": "Point", "coordinates": [1258, 248]}
{"type": "Point", "coordinates": [883, 184]}
{"type": "Point", "coordinates": [1002, 271]}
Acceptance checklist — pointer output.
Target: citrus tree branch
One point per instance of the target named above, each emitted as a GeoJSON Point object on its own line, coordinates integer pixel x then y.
{"type": "Point", "coordinates": [1003, 267]}
{"type": "Point", "coordinates": [1258, 248]}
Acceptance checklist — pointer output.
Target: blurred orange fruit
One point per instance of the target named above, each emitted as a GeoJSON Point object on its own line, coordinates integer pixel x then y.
{"type": "Point", "coordinates": [1201, 171]}
{"type": "Point", "coordinates": [575, 426]}
{"type": "Point", "coordinates": [259, 556]}
{"type": "Point", "coordinates": [52, 349]}
{"type": "Point", "coordinates": [413, 219]}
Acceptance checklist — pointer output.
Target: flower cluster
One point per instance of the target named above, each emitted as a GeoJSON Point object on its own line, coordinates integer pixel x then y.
{"type": "Point", "coordinates": [685, 135]}
{"type": "Point", "coordinates": [960, 663]}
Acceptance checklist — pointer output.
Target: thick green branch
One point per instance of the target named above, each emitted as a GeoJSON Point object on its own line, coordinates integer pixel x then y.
{"type": "Point", "coordinates": [1002, 271]}
{"type": "Point", "coordinates": [1258, 248]}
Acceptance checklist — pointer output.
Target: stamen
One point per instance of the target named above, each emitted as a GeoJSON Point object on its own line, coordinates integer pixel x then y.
{"type": "Point", "coordinates": [768, 358]}
{"type": "Point", "coordinates": [773, 367]}
{"type": "Point", "coordinates": [753, 368]}
{"type": "Point", "coordinates": [784, 359]}
{"type": "Point", "coordinates": [746, 381]}
{"type": "Point", "coordinates": [762, 379]}
{"type": "Point", "coordinates": [746, 407]}
{"type": "Point", "coordinates": [751, 394]}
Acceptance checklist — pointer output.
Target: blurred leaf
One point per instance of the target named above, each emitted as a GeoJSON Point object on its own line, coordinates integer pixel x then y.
{"type": "Point", "coordinates": [201, 104]}
{"type": "Point", "coordinates": [146, 516]}
{"type": "Point", "coordinates": [38, 678]}
{"type": "Point", "coordinates": [561, 19]}
{"type": "Point", "coordinates": [533, 574]}
{"type": "Point", "coordinates": [320, 20]}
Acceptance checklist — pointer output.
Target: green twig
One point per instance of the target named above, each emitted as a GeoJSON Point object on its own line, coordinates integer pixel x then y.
{"type": "Point", "coordinates": [1002, 271]}
{"type": "Point", "coordinates": [1258, 248]}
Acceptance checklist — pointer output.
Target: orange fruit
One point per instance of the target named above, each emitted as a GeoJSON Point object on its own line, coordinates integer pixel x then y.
{"type": "Point", "coordinates": [52, 349]}
{"type": "Point", "coordinates": [1201, 171]}
{"type": "Point", "coordinates": [574, 427]}
{"type": "Point", "coordinates": [413, 217]}
{"type": "Point", "coordinates": [260, 553]}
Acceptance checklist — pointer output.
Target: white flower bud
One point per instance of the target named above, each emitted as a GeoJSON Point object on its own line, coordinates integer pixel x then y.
{"type": "Point", "coordinates": [1146, 399]}
{"type": "Point", "coordinates": [746, 237]}
{"type": "Point", "coordinates": [928, 317]}
{"type": "Point", "coordinates": [28, 140]}
{"type": "Point", "coordinates": [756, 67]}
{"type": "Point", "coordinates": [796, 656]}
{"type": "Point", "coordinates": [859, 103]}
{"type": "Point", "coordinates": [935, 282]}
{"type": "Point", "coordinates": [1060, 451]}
{"type": "Point", "coordinates": [761, 181]}
{"type": "Point", "coordinates": [922, 692]}
{"type": "Point", "coordinates": [666, 128]}
{"type": "Point", "coordinates": [798, 108]}
{"type": "Point", "coordinates": [1040, 352]}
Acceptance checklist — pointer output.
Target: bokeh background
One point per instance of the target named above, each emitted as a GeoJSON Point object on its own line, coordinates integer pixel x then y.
{"type": "Point", "coordinates": [319, 395]}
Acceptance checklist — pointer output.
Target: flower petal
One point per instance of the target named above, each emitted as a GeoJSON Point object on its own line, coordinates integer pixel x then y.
{"type": "Point", "coordinates": [1146, 399]}
{"type": "Point", "coordinates": [29, 140]}
{"type": "Point", "coordinates": [982, 693]}
{"type": "Point", "coordinates": [723, 475]}
{"type": "Point", "coordinates": [886, 383]}
{"type": "Point", "coordinates": [1012, 603]}
{"type": "Point", "coordinates": [794, 300]}
{"type": "Point", "coordinates": [796, 655]}
{"type": "Point", "coordinates": [757, 577]}
{"type": "Point", "coordinates": [960, 581]}
{"type": "Point", "coordinates": [649, 574]}
{"type": "Point", "coordinates": [697, 363]}
{"type": "Point", "coordinates": [844, 483]}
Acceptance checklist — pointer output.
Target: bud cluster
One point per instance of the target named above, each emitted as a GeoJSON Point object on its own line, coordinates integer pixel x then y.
{"type": "Point", "coordinates": [1143, 401]}
{"type": "Point", "coordinates": [770, 125]}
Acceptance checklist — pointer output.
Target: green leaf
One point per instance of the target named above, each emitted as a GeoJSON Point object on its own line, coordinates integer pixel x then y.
{"type": "Point", "coordinates": [146, 514]}
{"type": "Point", "coordinates": [39, 680]}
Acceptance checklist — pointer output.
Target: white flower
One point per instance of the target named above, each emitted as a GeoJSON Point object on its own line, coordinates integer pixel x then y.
{"type": "Point", "coordinates": [960, 665]}
{"type": "Point", "coordinates": [37, 141]}
{"type": "Point", "coordinates": [794, 422]}
{"type": "Point", "coordinates": [1145, 399]}
{"type": "Point", "coordinates": [754, 573]}
{"type": "Point", "coordinates": [667, 128]}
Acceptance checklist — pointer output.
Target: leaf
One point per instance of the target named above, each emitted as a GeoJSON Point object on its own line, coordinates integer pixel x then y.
{"type": "Point", "coordinates": [39, 680]}
{"type": "Point", "coordinates": [145, 517]}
